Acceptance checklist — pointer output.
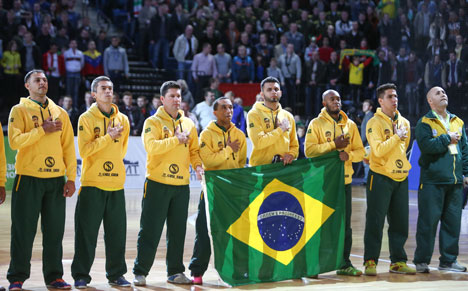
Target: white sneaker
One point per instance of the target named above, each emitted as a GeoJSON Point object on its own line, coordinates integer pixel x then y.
{"type": "Point", "coordinates": [139, 280]}
{"type": "Point", "coordinates": [179, 278]}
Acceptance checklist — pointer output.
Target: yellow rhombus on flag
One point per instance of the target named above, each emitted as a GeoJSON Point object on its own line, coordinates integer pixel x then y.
{"type": "Point", "coordinates": [246, 229]}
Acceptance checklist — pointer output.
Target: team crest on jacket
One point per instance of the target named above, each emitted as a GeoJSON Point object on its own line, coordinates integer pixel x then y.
{"type": "Point", "coordinates": [35, 120]}
{"type": "Point", "coordinates": [267, 122]}
{"type": "Point", "coordinates": [220, 145]}
{"type": "Point", "coordinates": [387, 133]}
{"type": "Point", "coordinates": [97, 132]}
{"type": "Point", "coordinates": [328, 136]}
{"type": "Point", "coordinates": [166, 132]}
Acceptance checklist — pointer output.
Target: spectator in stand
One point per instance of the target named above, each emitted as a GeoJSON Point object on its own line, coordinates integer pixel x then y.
{"type": "Point", "coordinates": [333, 40]}
{"type": "Point", "coordinates": [184, 106]}
{"type": "Point", "coordinates": [65, 23]}
{"type": "Point", "coordinates": [264, 49]}
{"type": "Point", "coordinates": [368, 110]}
{"type": "Point", "coordinates": [88, 101]}
{"type": "Point", "coordinates": [61, 39]}
{"type": "Point", "coordinates": [31, 56]}
{"type": "Point", "coordinates": [73, 113]}
{"type": "Point", "coordinates": [281, 47]}
{"type": "Point", "coordinates": [421, 25]}
{"type": "Point", "coordinates": [155, 104]}
{"type": "Point", "coordinates": [142, 104]}
{"type": "Point", "coordinates": [93, 64]}
{"type": "Point", "coordinates": [74, 62]}
{"type": "Point", "coordinates": [290, 65]}
{"type": "Point", "coordinates": [325, 50]}
{"type": "Point", "coordinates": [333, 73]}
{"type": "Point", "coordinates": [312, 47]}
{"type": "Point", "coordinates": [321, 25]}
{"type": "Point", "coordinates": [11, 64]}
{"type": "Point", "coordinates": [53, 65]}
{"type": "Point", "coordinates": [243, 68]}
{"type": "Point", "coordinates": [116, 63]}
{"type": "Point", "coordinates": [438, 29]}
{"type": "Point", "coordinates": [454, 27]}
{"type": "Point", "coordinates": [435, 73]}
{"type": "Point", "coordinates": [384, 71]}
{"type": "Point", "coordinates": [456, 77]}
{"type": "Point", "coordinates": [301, 130]}
{"type": "Point", "coordinates": [211, 36]}
{"type": "Point", "coordinates": [413, 78]}
{"type": "Point", "coordinates": [144, 19]}
{"type": "Point", "coordinates": [102, 42]}
{"type": "Point", "coordinates": [179, 19]}
{"type": "Point", "coordinates": [436, 48]}
{"type": "Point", "coordinates": [404, 33]}
{"type": "Point", "coordinates": [29, 23]}
{"type": "Point", "coordinates": [204, 110]}
{"type": "Point", "coordinates": [461, 49]}
{"type": "Point", "coordinates": [355, 35]}
{"type": "Point", "coordinates": [44, 39]}
{"type": "Point", "coordinates": [185, 48]}
{"type": "Point", "coordinates": [133, 113]}
{"type": "Point", "coordinates": [245, 41]}
{"type": "Point", "coordinates": [186, 94]}
{"type": "Point", "coordinates": [343, 26]}
{"type": "Point", "coordinates": [83, 40]}
{"type": "Point", "coordinates": [116, 99]}
{"type": "Point", "coordinates": [274, 71]}
{"type": "Point", "coordinates": [232, 36]}
{"type": "Point", "coordinates": [238, 114]}
{"type": "Point", "coordinates": [214, 87]}
{"type": "Point", "coordinates": [223, 64]}
{"type": "Point", "coordinates": [160, 35]}
{"type": "Point", "coordinates": [296, 38]}
{"type": "Point", "coordinates": [203, 69]}
{"type": "Point", "coordinates": [315, 78]}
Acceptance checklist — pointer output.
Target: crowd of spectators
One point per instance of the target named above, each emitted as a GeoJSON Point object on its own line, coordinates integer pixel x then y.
{"type": "Point", "coordinates": [352, 46]}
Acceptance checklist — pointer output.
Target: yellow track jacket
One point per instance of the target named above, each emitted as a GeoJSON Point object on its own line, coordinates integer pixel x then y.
{"type": "Point", "coordinates": [267, 139]}
{"type": "Point", "coordinates": [103, 165]}
{"type": "Point", "coordinates": [2, 159]}
{"type": "Point", "coordinates": [215, 153]}
{"type": "Point", "coordinates": [321, 134]}
{"type": "Point", "coordinates": [168, 161]}
{"type": "Point", "coordinates": [40, 154]}
{"type": "Point", "coordinates": [388, 151]}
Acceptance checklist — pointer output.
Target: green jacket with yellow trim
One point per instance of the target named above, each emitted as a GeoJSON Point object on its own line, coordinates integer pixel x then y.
{"type": "Point", "coordinates": [438, 165]}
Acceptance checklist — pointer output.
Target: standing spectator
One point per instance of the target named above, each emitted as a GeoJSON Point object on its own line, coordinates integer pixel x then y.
{"type": "Point", "coordinates": [438, 29]}
{"type": "Point", "coordinates": [264, 49]}
{"type": "Point", "coordinates": [325, 50]}
{"type": "Point", "coordinates": [203, 69]}
{"type": "Point", "coordinates": [73, 113]}
{"type": "Point", "coordinates": [185, 48]}
{"type": "Point", "coordinates": [368, 110]}
{"type": "Point", "coordinates": [243, 68]}
{"type": "Point", "coordinates": [355, 35]}
{"type": "Point", "coordinates": [312, 47]}
{"type": "Point", "coordinates": [461, 49]}
{"type": "Point", "coordinates": [238, 114]}
{"type": "Point", "coordinates": [11, 64]}
{"type": "Point", "coordinates": [343, 26]}
{"type": "Point", "coordinates": [93, 64]}
{"type": "Point", "coordinates": [413, 78]}
{"type": "Point", "coordinates": [290, 65]}
{"type": "Point", "coordinates": [74, 62]}
{"type": "Point", "coordinates": [232, 36]}
{"type": "Point", "coordinates": [296, 38]}
{"type": "Point", "coordinates": [160, 32]}
{"type": "Point", "coordinates": [435, 73]}
{"type": "Point", "coordinates": [281, 47]}
{"type": "Point", "coordinates": [61, 39]}
{"type": "Point", "coordinates": [184, 106]}
{"type": "Point", "coordinates": [30, 54]}
{"type": "Point", "coordinates": [223, 64]}
{"type": "Point", "coordinates": [144, 19]}
{"type": "Point", "coordinates": [274, 71]}
{"type": "Point", "coordinates": [133, 113]}
{"type": "Point", "coordinates": [333, 72]}
{"type": "Point", "coordinates": [102, 42]}
{"type": "Point", "coordinates": [315, 78]}
{"type": "Point", "coordinates": [186, 94]}
{"type": "Point", "coordinates": [44, 39]}
{"type": "Point", "coordinates": [421, 28]}
{"type": "Point", "coordinates": [204, 110]}
{"type": "Point", "coordinates": [116, 63]}
{"type": "Point", "coordinates": [456, 77]}
{"type": "Point", "coordinates": [53, 65]}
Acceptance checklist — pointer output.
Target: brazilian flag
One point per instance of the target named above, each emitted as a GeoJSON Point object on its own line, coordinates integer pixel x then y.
{"type": "Point", "coordinates": [274, 222]}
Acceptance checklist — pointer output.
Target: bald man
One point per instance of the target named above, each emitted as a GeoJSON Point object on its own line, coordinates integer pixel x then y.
{"type": "Point", "coordinates": [444, 164]}
{"type": "Point", "coordinates": [331, 131]}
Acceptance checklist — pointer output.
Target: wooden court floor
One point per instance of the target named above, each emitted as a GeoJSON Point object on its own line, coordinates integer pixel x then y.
{"type": "Point", "coordinates": [156, 280]}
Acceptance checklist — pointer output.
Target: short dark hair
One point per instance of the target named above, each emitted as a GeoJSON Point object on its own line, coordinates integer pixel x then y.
{"type": "Point", "coordinates": [215, 103]}
{"type": "Point", "coordinates": [207, 91]}
{"type": "Point", "coordinates": [370, 102]}
{"type": "Point", "coordinates": [127, 93]}
{"type": "Point", "coordinates": [169, 85]}
{"type": "Point", "coordinates": [96, 81]}
{"type": "Point", "coordinates": [268, 80]}
{"type": "Point", "coordinates": [28, 75]}
{"type": "Point", "coordinates": [382, 88]}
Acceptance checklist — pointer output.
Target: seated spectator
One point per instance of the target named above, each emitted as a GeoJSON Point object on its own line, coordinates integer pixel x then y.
{"type": "Point", "coordinates": [204, 110]}
{"type": "Point", "coordinates": [133, 113]}
{"type": "Point", "coordinates": [142, 103]}
{"type": "Point", "coordinates": [214, 87]}
{"type": "Point", "coordinates": [243, 68]}
{"type": "Point", "coordinates": [53, 65]}
{"type": "Point", "coordinates": [67, 104]}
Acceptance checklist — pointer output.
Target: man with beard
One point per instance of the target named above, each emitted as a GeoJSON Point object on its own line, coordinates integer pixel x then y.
{"type": "Point", "coordinates": [271, 128]}
{"type": "Point", "coordinates": [388, 134]}
{"type": "Point", "coordinates": [222, 146]}
{"type": "Point", "coordinates": [333, 131]}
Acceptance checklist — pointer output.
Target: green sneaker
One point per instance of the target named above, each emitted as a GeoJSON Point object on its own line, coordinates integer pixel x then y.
{"type": "Point", "coordinates": [349, 271]}
{"type": "Point", "coordinates": [401, 268]}
{"type": "Point", "coordinates": [371, 268]}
